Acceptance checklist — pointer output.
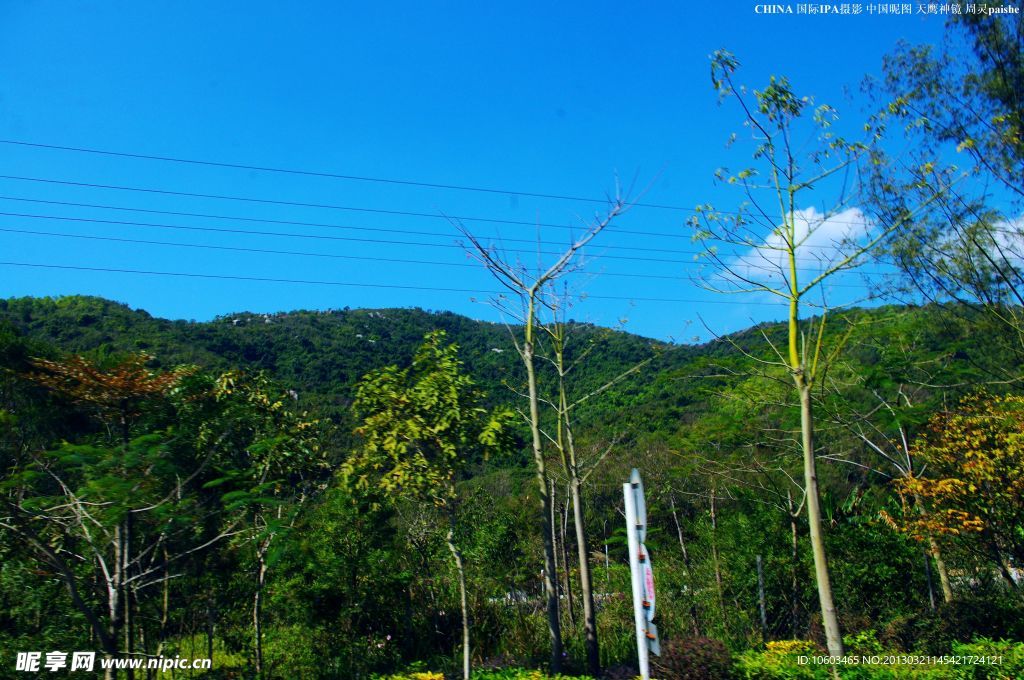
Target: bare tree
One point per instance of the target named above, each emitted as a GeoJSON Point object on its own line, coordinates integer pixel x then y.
{"type": "Point", "coordinates": [575, 467]}
{"type": "Point", "coordinates": [532, 290]}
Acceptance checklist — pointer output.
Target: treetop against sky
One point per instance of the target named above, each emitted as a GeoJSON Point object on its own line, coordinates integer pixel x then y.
{"type": "Point", "coordinates": [515, 120]}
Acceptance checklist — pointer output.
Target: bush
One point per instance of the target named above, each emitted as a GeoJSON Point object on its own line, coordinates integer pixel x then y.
{"type": "Point", "coordinates": [965, 619]}
{"type": "Point", "coordinates": [503, 674]}
{"type": "Point", "coordinates": [696, 658]}
{"type": "Point", "coordinates": [778, 661]}
{"type": "Point", "coordinates": [1011, 655]}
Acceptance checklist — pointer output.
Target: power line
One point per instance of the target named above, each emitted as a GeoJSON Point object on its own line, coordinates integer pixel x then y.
{"type": "Point", "coordinates": [238, 249]}
{"type": "Point", "coordinates": [358, 285]}
{"type": "Point", "coordinates": [332, 175]}
{"type": "Point", "coordinates": [363, 258]}
{"type": "Point", "coordinates": [253, 232]}
{"type": "Point", "coordinates": [330, 206]}
{"type": "Point", "coordinates": [313, 236]}
{"type": "Point", "coordinates": [361, 178]}
{"type": "Point", "coordinates": [325, 225]}
{"type": "Point", "coordinates": [323, 206]}
{"type": "Point", "coordinates": [329, 225]}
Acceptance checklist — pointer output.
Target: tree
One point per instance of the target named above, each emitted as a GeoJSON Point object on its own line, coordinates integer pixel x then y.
{"type": "Point", "coordinates": [974, 486]}
{"type": "Point", "coordinates": [420, 427]}
{"type": "Point", "coordinates": [789, 253]}
{"type": "Point", "coordinates": [961, 103]}
{"type": "Point", "coordinates": [271, 464]}
{"type": "Point", "coordinates": [97, 495]}
{"type": "Point", "coordinates": [533, 292]}
{"type": "Point", "coordinates": [967, 94]}
{"type": "Point", "coordinates": [178, 462]}
{"type": "Point", "coordinates": [574, 466]}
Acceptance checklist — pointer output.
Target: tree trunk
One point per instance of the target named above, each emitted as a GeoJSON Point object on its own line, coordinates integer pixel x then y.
{"type": "Point", "coordinates": [829, 618]}
{"type": "Point", "coordinates": [460, 570]}
{"type": "Point", "coordinates": [115, 590]}
{"type": "Point", "coordinates": [933, 549]}
{"type": "Point", "coordinates": [553, 503]}
{"type": "Point", "coordinates": [607, 561]}
{"type": "Point", "coordinates": [128, 596]}
{"type": "Point", "coordinates": [940, 566]}
{"type": "Point", "coordinates": [550, 575]}
{"type": "Point", "coordinates": [565, 564]}
{"type": "Point", "coordinates": [794, 592]}
{"type": "Point", "coordinates": [928, 579]}
{"type": "Point", "coordinates": [586, 583]}
{"type": "Point", "coordinates": [715, 560]}
{"type": "Point", "coordinates": [257, 609]}
{"type": "Point", "coordinates": [164, 605]}
{"type": "Point", "coordinates": [686, 565]}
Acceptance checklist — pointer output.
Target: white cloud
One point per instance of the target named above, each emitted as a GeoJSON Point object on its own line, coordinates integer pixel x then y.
{"type": "Point", "coordinates": [821, 242]}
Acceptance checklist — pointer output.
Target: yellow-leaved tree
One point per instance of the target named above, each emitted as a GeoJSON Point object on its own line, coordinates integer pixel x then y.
{"type": "Point", "coordinates": [973, 484]}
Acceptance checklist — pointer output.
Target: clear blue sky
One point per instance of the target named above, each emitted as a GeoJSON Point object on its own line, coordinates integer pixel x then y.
{"type": "Point", "coordinates": [551, 98]}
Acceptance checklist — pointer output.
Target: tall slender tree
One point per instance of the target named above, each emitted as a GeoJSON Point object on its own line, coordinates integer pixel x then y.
{"type": "Point", "coordinates": [776, 248]}
{"type": "Point", "coordinates": [420, 428]}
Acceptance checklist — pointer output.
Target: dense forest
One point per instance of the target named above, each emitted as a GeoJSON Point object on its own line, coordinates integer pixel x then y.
{"type": "Point", "coordinates": [407, 494]}
{"type": "Point", "coordinates": [227, 441]}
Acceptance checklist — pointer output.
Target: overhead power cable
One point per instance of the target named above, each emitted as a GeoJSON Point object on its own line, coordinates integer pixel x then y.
{"type": "Point", "coordinates": [361, 178]}
{"type": "Point", "coordinates": [323, 206]}
{"type": "Point", "coordinates": [331, 175]}
{"type": "Point", "coordinates": [230, 277]}
{"type": "Point", "coordinates": [328, 225]}
{"type": "Point", "coordinates": [362, 258]}
{"type": "Point", "coordinates": [322, 237]}
{"type": "Point", "coordinates": [383, 211]}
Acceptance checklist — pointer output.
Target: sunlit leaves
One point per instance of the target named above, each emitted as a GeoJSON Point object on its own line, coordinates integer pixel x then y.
{"type": "Point", "coordinates": [421, 425]}
{"type": "Point", "coordinates": [973, 483]}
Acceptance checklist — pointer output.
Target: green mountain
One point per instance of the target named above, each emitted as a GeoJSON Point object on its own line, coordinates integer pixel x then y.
{"type": "Point", "coordinates": [321, 355]}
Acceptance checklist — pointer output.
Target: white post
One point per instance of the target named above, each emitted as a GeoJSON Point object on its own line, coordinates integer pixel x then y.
{"type": "Point", "coordinates": [639, 616]}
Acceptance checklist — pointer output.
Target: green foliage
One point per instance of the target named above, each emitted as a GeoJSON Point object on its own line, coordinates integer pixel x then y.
{"type": "Point", "coordinates": [1002, 660]}
{"type": "Point", "coordinates": [960, 620]}
{"type": "Point", "coordinates": [794, 660]}
{"type": "Point", "coordinates": [966, 93]}
{"type": "Point", "coordinates": [780, 660]}
{"type": "Point", "coordinates": [349, 570]}
{"type": "Point", "coordinates": [503, 674]}
{"type": "Point", "coordinates": [226, 662]}
{"type": "Point", "coordinates": [422, 425]}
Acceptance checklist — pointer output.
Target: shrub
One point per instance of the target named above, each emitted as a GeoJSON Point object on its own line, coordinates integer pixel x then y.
{"type": "Point", "coordinates": [864, 643]}
{"type": "Point", "coordinates": [696, 658]}
{"type": "Point", "coordinates": [963, 620]}
{"type": "Point", "coordinates": [778, 661]}
{"type": "Point", "coordinates": [503, 674]}
{"type": "Point", "coordinates": [1010, 667]}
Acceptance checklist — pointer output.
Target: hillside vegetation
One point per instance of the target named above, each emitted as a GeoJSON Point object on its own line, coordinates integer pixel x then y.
{"type": "Point", "coordinates": [261, 421]}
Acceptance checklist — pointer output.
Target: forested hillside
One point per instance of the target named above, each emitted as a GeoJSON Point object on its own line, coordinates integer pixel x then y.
{"type": "Point", "coordinates": [345, 578]}
{"type": "Point", "coordinates": [321, 356]}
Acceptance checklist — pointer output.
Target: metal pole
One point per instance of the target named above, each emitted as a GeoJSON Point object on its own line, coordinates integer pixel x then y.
{"type": "Point", "coordinates": [760, 599]}
{"type": "Point", "coordinates": [639, 617]}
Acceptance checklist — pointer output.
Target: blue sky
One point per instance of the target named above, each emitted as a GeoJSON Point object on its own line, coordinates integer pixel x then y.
{"type": "Point", "coordinates": [530, 97]}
